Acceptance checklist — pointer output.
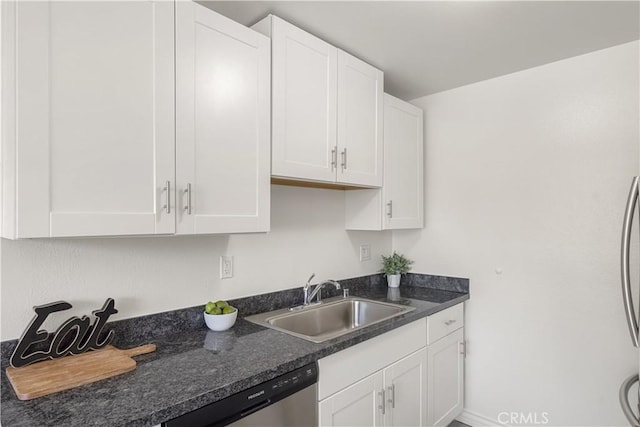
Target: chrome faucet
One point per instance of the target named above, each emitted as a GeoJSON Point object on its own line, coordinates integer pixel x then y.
{"type": "Point", "coordinates": [308, 297]}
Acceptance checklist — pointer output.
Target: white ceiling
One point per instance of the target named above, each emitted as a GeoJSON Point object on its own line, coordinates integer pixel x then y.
{"type": "Point", "coordinates": [425, 47]}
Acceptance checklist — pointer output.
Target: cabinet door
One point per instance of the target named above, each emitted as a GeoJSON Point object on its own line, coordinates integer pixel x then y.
{"type": "Point", "coordinates": [223, 124]}
{"type": "Point", "coordinates": [94, 128]}
{"type": "Point", "coordinates": [445, 379]}
{"type": "Point", "coordinates": [403, 165]}
{"type": "Point", "coordinates": [304, 104]}
{"type": "Point", "coordinates": [360, 404]}
{"type": "Point", "coordinates": [405, 384]}
{"type": "Point", "coordinates": [360, 105]}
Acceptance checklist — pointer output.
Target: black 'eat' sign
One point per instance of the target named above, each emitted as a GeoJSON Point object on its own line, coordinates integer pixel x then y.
{"type": "Point", "coordinates": [74, 336]}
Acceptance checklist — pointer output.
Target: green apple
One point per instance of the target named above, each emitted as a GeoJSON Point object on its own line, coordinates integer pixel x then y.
{"type": "Point", "coordinates": [228, 309]}
{"type": "Point", "coordinates": [221, 304]}
{"type": "Point", "coordinates": [209, 307]}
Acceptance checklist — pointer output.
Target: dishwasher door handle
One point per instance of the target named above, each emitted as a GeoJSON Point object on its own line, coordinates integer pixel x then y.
{"type": "Point", "coordinates": [255, 408]}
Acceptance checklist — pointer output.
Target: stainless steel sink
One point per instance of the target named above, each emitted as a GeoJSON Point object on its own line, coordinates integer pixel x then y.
{"type": "Point", "coordinates": [332, 318]}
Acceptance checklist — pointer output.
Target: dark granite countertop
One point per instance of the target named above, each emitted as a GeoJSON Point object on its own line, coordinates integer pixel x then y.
{"type": "Point", "coordinates": [194, 366]}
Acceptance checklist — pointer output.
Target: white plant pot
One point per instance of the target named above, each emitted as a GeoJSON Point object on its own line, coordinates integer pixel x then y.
{"type": "Point", "coordinates": [393, 280]}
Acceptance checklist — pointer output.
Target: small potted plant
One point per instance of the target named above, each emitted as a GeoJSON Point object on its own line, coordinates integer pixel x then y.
{"type": "Point", "coordinates": [394, 266]}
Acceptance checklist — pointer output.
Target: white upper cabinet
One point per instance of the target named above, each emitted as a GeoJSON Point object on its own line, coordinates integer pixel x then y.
{"type": "Point", "coordinates": [88, 118]}
{"type": "Point", "coordinates": [304, 102]}
{"type": "Point", "coordinates": [115, 124]}
{"type": "Point", "coordinates": [223, 124]}
{"type": "Point", "coordinates": [326, 110]}
{"type": "Point", "coordinates": [402, 191]}
{"type": "Point", "coordinates": [359, 122]}
{"type": "Point", "coordinates": [399, 204]}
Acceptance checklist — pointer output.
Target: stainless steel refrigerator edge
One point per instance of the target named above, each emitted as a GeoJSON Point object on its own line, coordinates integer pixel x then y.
{"type": "Point", "coordinates": [632, 318]}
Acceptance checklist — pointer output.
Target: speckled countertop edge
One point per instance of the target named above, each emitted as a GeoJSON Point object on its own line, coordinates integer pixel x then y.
{"type": "Point", "coordinates": [196, 367]}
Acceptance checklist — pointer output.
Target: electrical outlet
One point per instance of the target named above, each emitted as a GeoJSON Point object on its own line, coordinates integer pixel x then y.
{"type": "Point", "coordinates": [365, 252]}
{"type": "Point", "coordinates": [226, 267]}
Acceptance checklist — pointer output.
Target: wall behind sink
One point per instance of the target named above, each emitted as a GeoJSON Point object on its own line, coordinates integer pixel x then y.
{"type": "Point", "coordinates": [525, 185]}
{"type": "Point", "coordinates": [154, 274]}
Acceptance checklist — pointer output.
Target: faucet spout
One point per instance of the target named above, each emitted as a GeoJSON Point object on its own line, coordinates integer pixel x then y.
{"type": "Point", "coordinates": [318, 288]}
{"type": "Point", "coordinates": [305, 289]}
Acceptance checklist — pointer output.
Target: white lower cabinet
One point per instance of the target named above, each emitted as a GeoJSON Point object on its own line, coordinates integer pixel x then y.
{"type": "Point", "coordinates": [411, 376]}
{"type": "Point", "coordinates": [445, 365]}
{"type": "Point", "coordinates": [405, 391]}
{"type": "Point", "coordinates": [356, 405]}
{"type": "Point", "coordinates": [394, 396]}
{"type": "Point", "coordinates": [380, 382]}
{"type": "Point", "coordinates": [445, 386]}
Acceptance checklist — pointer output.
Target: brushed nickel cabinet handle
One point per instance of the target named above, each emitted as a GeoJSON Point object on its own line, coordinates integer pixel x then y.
{"type": "Point", "coordinates": [344, 159]}
{"type": "Point", "coordinates": [334, 158]}
{"type": "Point", "coordinates": [392, 397]}
{"type": "Point", "coordinates": [187, 193]}
{"type": "Point", "coordinates": [390, 209]}
{"type": "Point", "coordinates": [167, 190]}
{"type": "Point", "coordinates": [383, 404]}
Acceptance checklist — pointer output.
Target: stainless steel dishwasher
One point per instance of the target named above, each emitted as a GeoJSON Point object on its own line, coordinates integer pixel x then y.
{"type": "Point", "coordinates": [288, 400]}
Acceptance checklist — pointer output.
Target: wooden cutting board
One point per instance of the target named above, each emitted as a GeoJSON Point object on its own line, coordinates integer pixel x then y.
{"type": "Point", "coordinates": [52, 376]}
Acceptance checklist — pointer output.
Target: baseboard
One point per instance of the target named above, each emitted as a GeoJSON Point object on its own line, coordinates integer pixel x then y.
{"type": "Point", "coordinates": [474, 419]}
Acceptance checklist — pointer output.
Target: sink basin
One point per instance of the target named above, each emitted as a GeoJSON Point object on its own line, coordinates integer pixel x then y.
{"type": "Point", "coordinates": [330, 319]}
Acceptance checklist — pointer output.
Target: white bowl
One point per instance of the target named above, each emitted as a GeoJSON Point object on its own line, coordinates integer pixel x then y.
{"type": "Point", "coordinates": [220, 322]}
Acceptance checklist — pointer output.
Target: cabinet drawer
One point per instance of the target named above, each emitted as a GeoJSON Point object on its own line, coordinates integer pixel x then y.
{"type": "Point", "coordinates": [444, 322]}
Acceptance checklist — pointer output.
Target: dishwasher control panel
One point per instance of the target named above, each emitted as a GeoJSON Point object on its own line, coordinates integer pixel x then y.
{"type": "Point", "coordinates": [293, 379]}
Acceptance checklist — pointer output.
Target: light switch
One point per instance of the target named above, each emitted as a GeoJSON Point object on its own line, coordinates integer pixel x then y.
{"type": "Point", "coordinates": [365, 252]}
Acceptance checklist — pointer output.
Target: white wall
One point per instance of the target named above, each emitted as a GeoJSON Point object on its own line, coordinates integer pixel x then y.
{"type": "Point", "coordinates": [155, 274]}
{"type": "Point", "coordinates": [528, 174]}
